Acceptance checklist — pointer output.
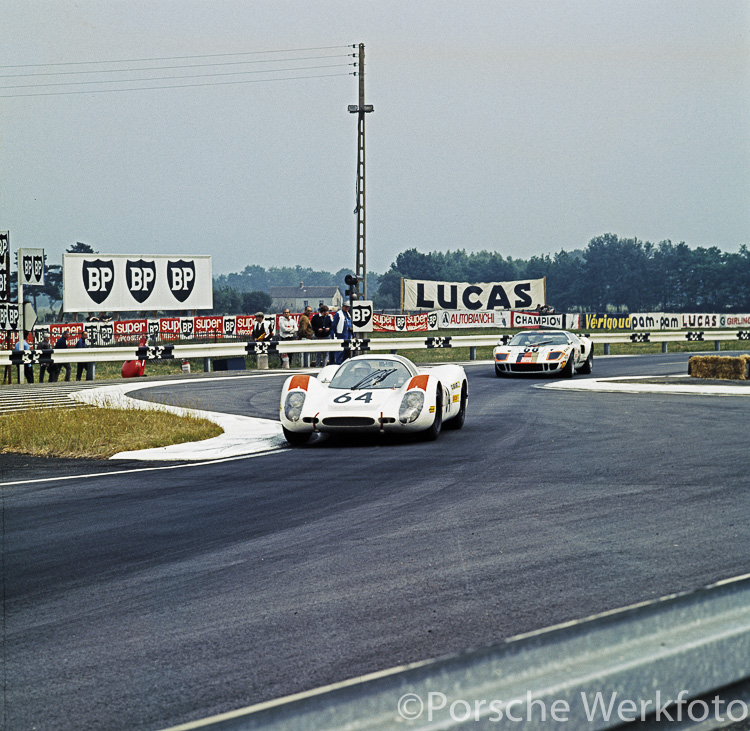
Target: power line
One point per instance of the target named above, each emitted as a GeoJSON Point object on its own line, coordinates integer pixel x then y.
{"type": "Point", "coordinates": [173, 58]}
{"type": "Point", "coordinates": [167, 68]}
{"type": "Point", "coordinates": [172, 86]}
{"type": "Point", "coordinates": [184, 76]}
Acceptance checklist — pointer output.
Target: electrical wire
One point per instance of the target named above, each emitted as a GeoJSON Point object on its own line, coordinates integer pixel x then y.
{"type": "Point", "coordinates": [43, 86]}
{"type": "Point", "coordinates": [174, 58]}
{"type": "Point", "coordinates": [170, 68]}
{"type": "Point", "coordinates": [164, 78]}
{"type": "Point", "coordinates": [173, 86]}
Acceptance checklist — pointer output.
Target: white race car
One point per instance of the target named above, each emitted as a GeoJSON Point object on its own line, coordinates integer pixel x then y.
{"type": "Point", "coordinates": [545, 351]}
{"type": "Point", "coordinates": [374, 393]}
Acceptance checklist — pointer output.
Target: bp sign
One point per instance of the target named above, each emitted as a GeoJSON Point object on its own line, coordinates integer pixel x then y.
{"type": "Point", "coordinates": [362, 316]}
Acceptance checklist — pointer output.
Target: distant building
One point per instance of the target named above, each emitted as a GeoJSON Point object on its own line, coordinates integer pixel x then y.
{"type": "Point", "coordinates": [297, 298]}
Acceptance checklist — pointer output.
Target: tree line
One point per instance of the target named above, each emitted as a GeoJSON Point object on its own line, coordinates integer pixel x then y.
{"type": "Point", "coordinates": [610, 274]}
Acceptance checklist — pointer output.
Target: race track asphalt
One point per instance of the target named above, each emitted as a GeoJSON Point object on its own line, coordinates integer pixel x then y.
{"type": "Point", "coordinates": [142, 599]}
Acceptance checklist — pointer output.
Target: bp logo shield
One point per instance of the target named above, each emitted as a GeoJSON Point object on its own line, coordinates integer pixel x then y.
{"type": "Point", "coordinates": [181, 278]}
{"type": "Point", "coordinates": [186, 326]}
{"type": "Point", "coordinates": [106, 333]}
{"type": "Point", "coordinates": [141, 278]}
{"type": "Point", "coordinates": [98, 278]}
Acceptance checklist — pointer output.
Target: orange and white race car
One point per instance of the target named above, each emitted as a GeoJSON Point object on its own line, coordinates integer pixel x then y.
{"type": "Point", "coordinates": [374, 393]}
{"type": "Point", "coordinates": [545, 351]}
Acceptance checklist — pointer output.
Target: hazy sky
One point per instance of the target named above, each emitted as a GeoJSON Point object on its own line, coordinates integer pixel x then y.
{"type": "Point", "coordinates": [519, 126]}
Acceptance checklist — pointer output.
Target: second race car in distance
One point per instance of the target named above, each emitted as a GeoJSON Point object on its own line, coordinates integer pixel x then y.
{"type": "Point", "coordinates": [374, 393]}
{"type": "Point", "coordinates": [545, 351]}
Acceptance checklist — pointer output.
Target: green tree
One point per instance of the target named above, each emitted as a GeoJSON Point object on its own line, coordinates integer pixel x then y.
{"type": "Point", "coordinates": [255, 302]}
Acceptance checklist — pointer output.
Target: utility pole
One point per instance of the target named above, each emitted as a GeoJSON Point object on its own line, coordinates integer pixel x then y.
{"type": "Point", "coordinates": [360, 110]}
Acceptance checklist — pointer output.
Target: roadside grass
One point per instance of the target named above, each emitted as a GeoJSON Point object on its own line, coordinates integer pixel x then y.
{"type": "Point", "coordinates": [97, 433]}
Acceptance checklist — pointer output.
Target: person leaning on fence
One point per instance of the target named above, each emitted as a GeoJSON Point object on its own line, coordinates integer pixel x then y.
{"type": "Point", "coordinates": [28, 370]}
{"type": "Point", "coordinates": [321, 325]}
{"type": "Point", "coordinates": [88, 367]}
{"type": "Point", "coordinates": [287, 330]}
{"type": "Point", "coordinates": [60, 344]}
{"type": "Point", "coordinates": [262, 330]}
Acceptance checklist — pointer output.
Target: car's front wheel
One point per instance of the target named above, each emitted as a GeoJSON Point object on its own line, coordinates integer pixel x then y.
{"type": "Point", "coordinates": [296, 438]}
{"type": "Point", "coordinates": [569, 370]}
{"type": "Point", "coordinates": [434, 431]}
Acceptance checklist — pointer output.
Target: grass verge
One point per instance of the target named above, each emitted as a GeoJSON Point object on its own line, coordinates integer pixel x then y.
{"type": "Point", "coordinates": [97, 433]}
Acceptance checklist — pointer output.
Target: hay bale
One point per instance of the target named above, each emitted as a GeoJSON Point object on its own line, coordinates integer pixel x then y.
{"type": "Point", "coordinates": [723, 367]}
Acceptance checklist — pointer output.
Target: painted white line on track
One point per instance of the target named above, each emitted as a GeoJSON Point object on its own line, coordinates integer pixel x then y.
{"type": "Point", "coordinates": [243, 435]}
{"type": "Point", "coordinates": [618, 385]}
{"type": "Point", "coordinates": [132, 470]}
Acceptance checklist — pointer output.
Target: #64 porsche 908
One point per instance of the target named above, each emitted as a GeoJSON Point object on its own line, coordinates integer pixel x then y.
{"type": "Point", "coordinates": [386, 393]}
{"type": "Point", "coordinates": [545, 351]}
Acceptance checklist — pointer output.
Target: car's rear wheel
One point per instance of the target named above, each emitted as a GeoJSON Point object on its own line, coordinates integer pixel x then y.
{"type": "Point", "coordinates": [588, 366]}
{"type": "Point", "coordinates": [458, 420]}
{"type": "Point", "coordinates": [434, 431]}
{"type": "Point", "coordinates": [296, 437]}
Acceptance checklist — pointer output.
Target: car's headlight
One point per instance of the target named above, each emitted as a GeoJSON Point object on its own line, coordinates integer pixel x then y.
{"type": "Point", "coordinates": [555, 355]}
{"type": "Point", "coordinates": [411, 406]}
{"type": "Point", "coordinates": [295, 400]}
{"type": "Point", "coordinates": [501, 356]}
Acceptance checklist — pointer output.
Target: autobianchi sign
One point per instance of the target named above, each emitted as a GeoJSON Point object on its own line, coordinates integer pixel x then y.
{"type": "Point", "coordinates": [117, 283]}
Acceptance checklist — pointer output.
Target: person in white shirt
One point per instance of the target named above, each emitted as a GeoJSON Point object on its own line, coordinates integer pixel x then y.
{"type": "Point", "coordinates": [287, 330]}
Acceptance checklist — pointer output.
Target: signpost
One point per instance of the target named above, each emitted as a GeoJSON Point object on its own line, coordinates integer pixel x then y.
{"type": "Point", "coordinates": [31, 272]}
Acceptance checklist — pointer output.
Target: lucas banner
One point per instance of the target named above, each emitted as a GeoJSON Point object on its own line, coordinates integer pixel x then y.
{"type": "Point", "coordinates": [486, 296]}
{"type": "Point", "coordinates": [117, 283]}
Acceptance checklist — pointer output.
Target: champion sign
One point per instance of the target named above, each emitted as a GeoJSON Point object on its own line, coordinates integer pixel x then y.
{"type": "Point", "coordinates": [117, 283]}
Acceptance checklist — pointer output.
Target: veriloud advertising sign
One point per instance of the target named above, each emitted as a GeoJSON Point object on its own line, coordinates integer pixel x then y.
{"type": "Point", "coordinates": [121, 283]}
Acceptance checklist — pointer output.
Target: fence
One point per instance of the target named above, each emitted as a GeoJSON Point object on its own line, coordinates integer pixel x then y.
{"type": "Point", "coordinates": [208, 349]}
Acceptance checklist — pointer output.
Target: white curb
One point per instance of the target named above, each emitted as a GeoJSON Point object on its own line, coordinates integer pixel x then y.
{"type": "Point", "coordinates": [242, 435]}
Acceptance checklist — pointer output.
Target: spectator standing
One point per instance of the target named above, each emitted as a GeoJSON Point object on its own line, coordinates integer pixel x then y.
{"type": "Point", "coordinates": [305, 332]}
{"type": "Point", "coordinates": [61, 344]}
{"type": "Point", "coordinates": [322, 326]}
{"type": "Point", "coordinates": [88, 367]}
{"type": "Point", "coordinates": [28, 369]}
{"type": "Point", "coordinates": [287, 331]}
{"type": "Point", "coordinates": [43, 367]}
{"type": "Point", "coordinates": [342, 328]}
{"type": "Point", "coordinates": [262, 330]}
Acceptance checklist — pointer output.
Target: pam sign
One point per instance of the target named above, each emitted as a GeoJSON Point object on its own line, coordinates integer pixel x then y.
{"type": "Point", "coordinates": [118, 283]}
{"type": "Point", "coordinates": [432, 295]}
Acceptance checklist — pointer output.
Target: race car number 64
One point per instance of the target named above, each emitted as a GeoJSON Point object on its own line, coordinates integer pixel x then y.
{"type": "Point", "coordinates": [366, 397]}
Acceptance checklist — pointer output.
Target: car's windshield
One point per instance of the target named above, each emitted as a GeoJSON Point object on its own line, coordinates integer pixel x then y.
{"type": "Point", "coordinates": [371, 373]}
{"type": "Point", "coordinates": [535, 339]}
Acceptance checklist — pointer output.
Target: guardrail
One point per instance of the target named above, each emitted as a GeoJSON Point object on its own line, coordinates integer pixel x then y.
{"type": "Point", "coordinates": [241, 349]}
{"type": "Point", "coordinates": [681, 658]}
